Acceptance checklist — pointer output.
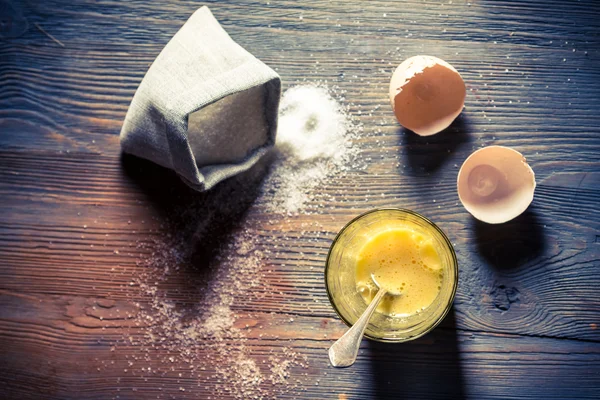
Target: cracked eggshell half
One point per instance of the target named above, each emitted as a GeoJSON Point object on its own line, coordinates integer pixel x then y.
{"type": "Point", "coordinates": [495, 184]}
{"type": "Point", "coordinates": [427, 94]}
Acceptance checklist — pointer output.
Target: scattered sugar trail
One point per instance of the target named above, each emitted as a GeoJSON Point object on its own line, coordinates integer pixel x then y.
{"type": "Point", "coordinates": [208, 327]}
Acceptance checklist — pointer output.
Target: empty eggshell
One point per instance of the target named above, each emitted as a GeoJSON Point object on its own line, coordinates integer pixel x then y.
{"type": "Point", "coordinates": [495, 184]}
{"type": "Point", "coordinates": [427, 94]}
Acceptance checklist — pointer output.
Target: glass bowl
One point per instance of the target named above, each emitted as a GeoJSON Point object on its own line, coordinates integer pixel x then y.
{"type": "Point", "coordinates": [340, 275]}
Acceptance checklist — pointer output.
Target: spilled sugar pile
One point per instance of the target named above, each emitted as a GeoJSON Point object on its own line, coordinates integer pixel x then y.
{"type": "Point", "coordinates": [313, 143]}
{"type": "Point", "coordinates": [197, 319]}
{"type": "Point", "coordinates": [312, 126]}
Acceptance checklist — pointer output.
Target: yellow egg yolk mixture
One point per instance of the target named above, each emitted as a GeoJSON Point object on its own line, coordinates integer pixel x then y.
{"type": "Point", "coordinates": [404, 262]}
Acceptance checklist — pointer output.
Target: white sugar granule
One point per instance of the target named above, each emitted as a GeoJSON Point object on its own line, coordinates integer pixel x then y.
{"type": "Point", "coordinates": [313, 143]}
{"type": "Point", "coordinates": [312, 125]}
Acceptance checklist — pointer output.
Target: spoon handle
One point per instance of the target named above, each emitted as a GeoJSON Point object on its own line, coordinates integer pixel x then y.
{"type": "Point", "coordinates": [344, 351]}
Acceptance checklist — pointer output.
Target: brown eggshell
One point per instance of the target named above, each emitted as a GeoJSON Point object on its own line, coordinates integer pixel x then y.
{"type": "Point", "coordinates": [495, 184]}
{"type": "Point", "coordinates": [427, 94]}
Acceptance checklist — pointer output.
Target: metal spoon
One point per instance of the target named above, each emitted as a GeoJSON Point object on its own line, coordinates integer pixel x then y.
{"type": "Point", "coordinates": [344, 351]}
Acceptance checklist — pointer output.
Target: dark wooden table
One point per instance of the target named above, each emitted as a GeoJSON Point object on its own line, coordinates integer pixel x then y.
{"type": "Point", "coordinates": [109, 264]}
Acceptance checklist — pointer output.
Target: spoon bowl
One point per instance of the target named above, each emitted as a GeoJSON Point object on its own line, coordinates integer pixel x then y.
{"type": "Point", "coordinates": [389, 290]}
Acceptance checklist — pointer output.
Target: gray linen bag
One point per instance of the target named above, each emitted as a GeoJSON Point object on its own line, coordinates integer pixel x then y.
{"type": "Point", "coordinates": [206, 108]}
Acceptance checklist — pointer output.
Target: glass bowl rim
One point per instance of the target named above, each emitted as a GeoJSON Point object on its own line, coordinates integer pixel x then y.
{"type": "Point", "coordinates": [453, 257]}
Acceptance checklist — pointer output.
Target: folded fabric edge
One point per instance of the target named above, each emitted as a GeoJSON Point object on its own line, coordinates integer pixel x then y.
{"type": "Point", "coordinates": [211, 175]}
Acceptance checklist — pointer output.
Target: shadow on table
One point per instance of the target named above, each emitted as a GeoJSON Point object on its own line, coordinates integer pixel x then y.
{"type": "Point", "coordinates": [513, 243]}
{"type": "Point", "coordinates": [195, 224]}
{"type": "Point", "coordinates": [428, 367]}
{"type": "Point", "coordinates": [428, 153]}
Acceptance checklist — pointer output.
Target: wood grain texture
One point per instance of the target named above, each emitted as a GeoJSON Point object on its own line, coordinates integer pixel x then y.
{"type": "Point", "coordinates": [76, 218]}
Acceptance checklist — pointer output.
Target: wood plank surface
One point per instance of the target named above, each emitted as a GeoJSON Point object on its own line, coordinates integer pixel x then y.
{"type": "Point", "coordinates": [111, 268]}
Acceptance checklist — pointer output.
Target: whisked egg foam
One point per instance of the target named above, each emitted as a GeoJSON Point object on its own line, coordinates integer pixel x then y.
{"type": "Point", "coordinates": [404, 262]}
